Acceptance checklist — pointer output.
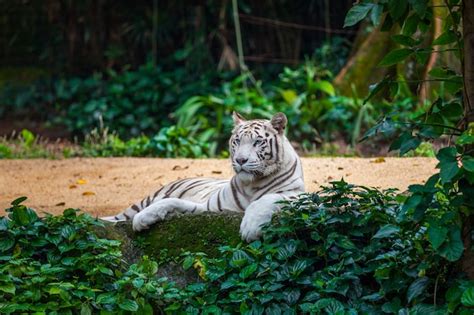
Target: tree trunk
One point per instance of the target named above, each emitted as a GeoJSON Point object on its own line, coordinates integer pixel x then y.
{"type": "Point", "coordinates": [361, 69]}
{"type": "Point", "coordinates": [467, 261]}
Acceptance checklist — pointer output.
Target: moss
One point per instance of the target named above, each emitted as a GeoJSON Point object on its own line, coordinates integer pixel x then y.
{"type": "Point", "coordinates": [195, 233]}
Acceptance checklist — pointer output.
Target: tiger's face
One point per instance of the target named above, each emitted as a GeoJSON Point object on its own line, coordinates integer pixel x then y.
{"type": "Point", "coordinates": [256, 146]}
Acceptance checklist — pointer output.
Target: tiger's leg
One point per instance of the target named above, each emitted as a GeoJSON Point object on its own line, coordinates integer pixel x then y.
{"type": "Point", "coordinates": [257, 214]}
{"type": "Point", "coordinates": [158, 211]}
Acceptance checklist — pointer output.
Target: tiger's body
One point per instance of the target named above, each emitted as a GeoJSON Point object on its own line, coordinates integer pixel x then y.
{"type": "Point", "coordinates": [267, 170]}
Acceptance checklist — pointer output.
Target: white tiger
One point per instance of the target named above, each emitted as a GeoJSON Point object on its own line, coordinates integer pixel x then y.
{"type": "Point", "coordinates": [267, 170]}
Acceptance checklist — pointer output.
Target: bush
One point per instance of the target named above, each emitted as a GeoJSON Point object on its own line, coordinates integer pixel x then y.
{"type": "Point", "coordinates": [60, 265]}
{"type": "Point", "coordinates": [346, 250]}
{"type": "Point", "coordinates": [129, 102]}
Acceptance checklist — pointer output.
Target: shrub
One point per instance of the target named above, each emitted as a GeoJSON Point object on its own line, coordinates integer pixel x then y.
{"type": "Point", "coordinates": [346, 250]}
{"type": "Point", "coordinates": [58, 264]}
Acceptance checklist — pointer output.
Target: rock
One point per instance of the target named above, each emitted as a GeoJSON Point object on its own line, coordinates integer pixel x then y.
{"type": "Point", "coordinates": [167, 240]}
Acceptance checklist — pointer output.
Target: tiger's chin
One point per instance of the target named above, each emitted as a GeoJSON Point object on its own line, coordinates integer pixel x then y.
{"type": "Point", "coordinates": [245, 176]}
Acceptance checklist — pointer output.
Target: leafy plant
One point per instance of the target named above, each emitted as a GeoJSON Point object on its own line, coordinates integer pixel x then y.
{"type": "Point", "coordinates": [59, 264]}
{"type": "Point", "coordinates": [345, 250]}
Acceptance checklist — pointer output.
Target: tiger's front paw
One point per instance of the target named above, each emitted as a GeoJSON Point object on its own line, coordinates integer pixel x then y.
{"type": "Point", "coordinates": [143, 220]}
{"type": "Point", "coordinates": [250, 228]}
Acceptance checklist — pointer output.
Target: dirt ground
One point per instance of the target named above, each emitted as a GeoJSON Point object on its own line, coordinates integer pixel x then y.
{"type": "Point", "coordinates": [104, 186]}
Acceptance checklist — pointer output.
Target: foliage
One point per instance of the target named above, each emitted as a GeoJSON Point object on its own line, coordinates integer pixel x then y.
{"type": "Point", "coordinates": [59, 264]}
{"type": "Point", "coordinates": [345, 250]}
{"type": "Point", "coordinates": [28, 145]}
{"type": "Point", "coordinates": [168, 142]}
{"type": "Point", "coordinates": [129, 102]}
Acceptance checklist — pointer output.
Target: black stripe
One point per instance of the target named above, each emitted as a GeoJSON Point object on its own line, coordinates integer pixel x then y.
{"type": "Point", "coordinates": [157, 192]}
{"type": "Point", "coordinates": [136, 208]}
{"type": "Point", "coordinates": [219, 201]}
{"type": "Point", "coordinates": [175, 186]}
{"type": "Point", "coordinates": [148, 201]}
{"type": "Point", "coordinates": [277, 158]}
{"type": "Point", "coordinates": [271, 149]}
{"type": "Point", "coordinates": [195, 207]}
{"type": "Point", "coordinates": [126, 216]}
{"type": "Point", "coordinates": [207, 204]}
{"type": "Point", "coordinates": [234, 194]}
{"type": "Point", "coordinates": [290, 173]}
{"type": "Point", "coordinates": [193, 185]}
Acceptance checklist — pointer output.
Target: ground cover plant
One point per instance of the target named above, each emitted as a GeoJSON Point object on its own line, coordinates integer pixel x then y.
{"type": "Point", "coordinates": [344, 250]}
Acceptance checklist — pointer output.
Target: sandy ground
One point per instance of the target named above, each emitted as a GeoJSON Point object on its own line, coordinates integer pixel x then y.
{"type": "Point", "coordinates": [104, 186]}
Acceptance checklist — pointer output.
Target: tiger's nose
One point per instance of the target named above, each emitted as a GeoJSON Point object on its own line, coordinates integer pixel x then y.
{"type": "Point", "coordinates": [241, 161]}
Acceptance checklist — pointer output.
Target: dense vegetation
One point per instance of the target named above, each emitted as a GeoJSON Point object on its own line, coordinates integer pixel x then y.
{"type": "Point", "coordinates": [344, 250]}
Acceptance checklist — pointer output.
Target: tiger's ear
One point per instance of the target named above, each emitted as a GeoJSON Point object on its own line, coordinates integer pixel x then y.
{"type": "Point", "coordinates": [279, 122]}
{"type": "Point", "coordinates": [238, 119]}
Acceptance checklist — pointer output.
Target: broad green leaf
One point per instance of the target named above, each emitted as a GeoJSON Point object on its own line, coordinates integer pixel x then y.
{"type": "Point", "coordinates": [448, 171]}
{"type": "Point", "coordinates": [411, 25]}
{"type": "Point", "coordinates": [8, 288]}
{"type": "Point", "coordinates": [447, 37]}
{"type": "Point", "coordinates": [441, 73]}
{"type": "Point", "coordinates": [417, 288]}
{"type": "Point", "coordinates": [464, 139]}
{"type": "Point", "coordinates": [386, 231]}
{"type": "Point", "coordinates": [86, 309]}
{"type": "Point", "coordinates": [467, 298]}
{"type": "Point", "coordinates": [248, 271]}
{"type": "Point", "coordinates": [437, 235]}
{"type": "Point", "coordinates": [376, 14]}
{"type": "Point", "coordinates": [22, 215]}
{"type": "Point", "coordinates": [376, 88]}
{"type": "Point", "coordinates": [396, 56]}
{"type": "Point", "coordinates": [397, 8]}
{"type": "Point", "coordinates": [453, 248]}
{"type": "Point", "coordinates": [6, 243]}
{"type": "Point", "coordinates": [239, 258]}
{"type": "Point", "coordinates": [404, 40]}
{"type": "Point", "coordinates": [129, 305]}
{"type": "Point", "coordinates": [468, 163]}
{"type": "Point", "coordinates": [419, 6]}
{"type": "Point", "coordinates": [324, 86]}
{"type": "Point", "coordinates": [357, 13]}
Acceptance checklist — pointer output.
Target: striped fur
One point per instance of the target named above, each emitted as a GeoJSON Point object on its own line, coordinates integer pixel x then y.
{"type": "Point", "coordinates": [267, 169]}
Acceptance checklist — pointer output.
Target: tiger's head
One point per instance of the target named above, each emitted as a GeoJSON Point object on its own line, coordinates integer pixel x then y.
{"type": "Point", "coordinates": [256, 146]}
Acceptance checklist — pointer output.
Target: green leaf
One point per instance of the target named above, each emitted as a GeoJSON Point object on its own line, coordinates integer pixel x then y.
{"type": "Point", "coordinates": [376, 88]}
{"type": "Point", "coordinates": [129, 305]}
{"type": "Point", "coordinates": [404, 40]}
{"type": "Point", "coordinates": [188, 262]}
{"type": "Point", "coordinates": [6, 243]}
{"type": "Point", "coordinates": [448, 163]}
{"type": "Point", "coordinates": [419, 6]}
{"type": "Point", "coordinates": [397, 8]}
{"type": "Point", "coordinates": [86, 309]}
{"type": "Point", "coordinates": [324, 86]}
{"type": "Point", "coordinates": [357, 13]}
{"type": "Point", "coordinates": [386, 231]}
{"type": "Point", "coordinates": [464, 139]}
{"type": "Point", "coordinates": [468, 163]}
{"type": "Point", "coordinates": [17, 201]}
{"type": "Point", "coordinates": [8, 288]}
{"type": "Point", "coordinates": [453, 248]}
{"type": "Point", "coordinates": [417, 288]}
{"type": "Point", "coordinates": [22, 215]}
{"type": "Point", "coordinates": [448, 171]}
{"type": "Point", "coordinates": [395, 56]}
{"type": "Point", "coordinates": [437, 235]}
{"type": "Point", "coordinates": [467, 298]}
{"type": "Point", "coordinates": [239, 258]}
{"type": "Point", "coordinates": [248, 271]}
{"type": "Point", "coordinates": [376, 14]}
{"type": "Point", "coordinates": [411, 25]}
{"type": "Point", "coordinates": [447, 37]}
